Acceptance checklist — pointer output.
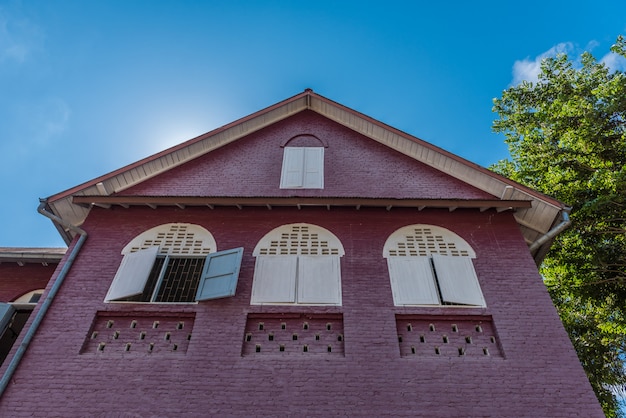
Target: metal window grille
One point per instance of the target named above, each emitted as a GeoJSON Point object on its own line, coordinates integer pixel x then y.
{"type": "Point", "coordinates": [175, 279]}
{"type": "Point", "coordinates": [180, 280]}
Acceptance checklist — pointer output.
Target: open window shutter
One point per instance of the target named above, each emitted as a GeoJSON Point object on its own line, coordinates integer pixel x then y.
{"type": "Point", "coordinates": [6, 315]}
{"type": "Point", "coordinates": [293, 168]}
{"type": "Point", "coordinates": [457, 280]}
{"type": "Point", "coordinates": [313, 168]}
{"type": "Point", "coordinates": [274, 279]}
{"type": "Point", "coordinates": [220, 275]}
{"type": "Point", "coordinates": [319, 280]}
{"type": "Point", "coordinates": [132, 274]}
{"type": "Point", "coordinates": [412, 281]}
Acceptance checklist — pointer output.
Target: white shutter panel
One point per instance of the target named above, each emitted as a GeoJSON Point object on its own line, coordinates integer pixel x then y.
{"type": "Point", "coordinates": [412, 281]}
{"type": "Point", "coordinates": [319, 280]}
{"type": "Point", "coordinates": [220, 275]}
{"type": "Point", "coordinates": [457, 280]}
{"type": "Point", "coordinates": [293, 168]}
{"type": "Point", "coordinates": [274, 279]}
{"type": "Point", "coordinates": [313, 168]}
{"type": "Point", "coordinates": [132, 274]}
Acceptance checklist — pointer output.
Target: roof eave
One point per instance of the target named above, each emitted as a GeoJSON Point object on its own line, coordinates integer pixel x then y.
{"type": "Point", "coordinates": [28, 255]}
{"type": "Point", "coordinates": [538, 218]}
{"type": "Point", "coordinates": [269, 201]}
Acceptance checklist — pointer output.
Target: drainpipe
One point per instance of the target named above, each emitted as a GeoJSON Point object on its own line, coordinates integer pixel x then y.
{"type": "Point", "coordinates": [8, 373]}
{"type": "Point", "coordinates": [554, 231]}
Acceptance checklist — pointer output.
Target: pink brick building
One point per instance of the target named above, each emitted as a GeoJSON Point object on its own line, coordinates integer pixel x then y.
{"type": "Point", "coordinates": [306, 260]}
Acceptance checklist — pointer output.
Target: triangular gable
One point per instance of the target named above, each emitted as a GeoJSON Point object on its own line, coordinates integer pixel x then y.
{"type": "Point", "coordinates": [538, 220]}
{"type": "Point", "coordinates": [354, 166]}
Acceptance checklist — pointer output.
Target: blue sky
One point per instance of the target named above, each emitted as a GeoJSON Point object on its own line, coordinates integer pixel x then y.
{"type": "Point", "coordinates": [87, 87]}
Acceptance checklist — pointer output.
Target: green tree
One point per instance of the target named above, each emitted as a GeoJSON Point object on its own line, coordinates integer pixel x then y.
{"type": "Point", "coordinates": [567, 138]}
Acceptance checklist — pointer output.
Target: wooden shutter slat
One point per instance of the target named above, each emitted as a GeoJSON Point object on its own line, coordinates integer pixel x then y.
{"type": "Point", "coordinates": [457, 280]}
{"type": "Point", "coordinates": [220, 274]}
{"type": "Point", "coordinates": [130, 278]}
{"type": "Point", "coordinates": [313, 168]}
{"type": "Point", "coordinates": [319, 280]}
{"type": "Point", "coordinates": [293, 168]}
{"type": "Point", "coordinates": [274, 279]}
{"type": "Point", "coordinates": [412, 281]}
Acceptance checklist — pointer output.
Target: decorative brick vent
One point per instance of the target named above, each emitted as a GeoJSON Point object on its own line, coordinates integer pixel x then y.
{"type": "Point", "coordinates": [138, 334]}
{"type": "Point", "coordinates": [463, 336]}
{"type": "Point", "coordinates": [293, 335]}
{"type": "Point", "coordinates": [174, 239]}
{"type": "Point", "coordinates": [299, 239]}
{"type": "Point", "coordinates": [423, 241]}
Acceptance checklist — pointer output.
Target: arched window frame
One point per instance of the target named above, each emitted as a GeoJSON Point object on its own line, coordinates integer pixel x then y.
{"type": "Point", "coordinates": [430, 265]}
{"type": "Point", "coordinates": [175, 262]}
{"type": "Point", "coordinates": [297, 264]}
{"type": "Point", "coordinates": [303, 163]}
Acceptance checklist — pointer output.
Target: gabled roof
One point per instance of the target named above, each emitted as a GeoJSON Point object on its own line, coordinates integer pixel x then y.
{"type": "Point", "coordinates": [537, 214]}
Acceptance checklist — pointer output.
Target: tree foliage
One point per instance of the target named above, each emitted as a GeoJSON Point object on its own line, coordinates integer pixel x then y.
{"type": "Point", "coordinates": [567, 138]}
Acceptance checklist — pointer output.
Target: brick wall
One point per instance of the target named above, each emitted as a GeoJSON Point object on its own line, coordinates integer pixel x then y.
{"type": "Point", "coordinates": [534, 373]}
{"type": "Point", "coordinates": [16, 280]}
{"type": "Point", "coordinates": [354, 165]}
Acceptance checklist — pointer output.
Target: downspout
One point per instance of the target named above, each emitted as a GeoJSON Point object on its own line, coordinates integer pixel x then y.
{"type": "Point", "coordinates": [565, 222]}
{"type": "Point", "coordinates": [10, 370]}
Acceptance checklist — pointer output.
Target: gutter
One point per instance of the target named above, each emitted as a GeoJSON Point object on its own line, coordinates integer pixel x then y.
{"type": "Point", "coordinates": [17, 357]}
{"type": "Point", "coordinates": [565, 222]}
{"type": "Point", "coordinates": [32, 256]}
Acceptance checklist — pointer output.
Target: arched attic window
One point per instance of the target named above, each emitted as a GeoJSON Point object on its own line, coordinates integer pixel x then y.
{"type": "Point", "coordinates": [298, 264]}
{"type": "Point", "coordinates": [303, 163]}
{"type": "Point", "coordinates": [430, 265]}
{"type": "Point", "coordinates": [175, 263]}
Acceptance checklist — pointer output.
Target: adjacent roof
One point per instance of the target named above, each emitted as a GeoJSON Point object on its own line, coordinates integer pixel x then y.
{"type": "Point", "coordinates": [536, 213]}
{"type": "Point", "coordinates": [23, 255]}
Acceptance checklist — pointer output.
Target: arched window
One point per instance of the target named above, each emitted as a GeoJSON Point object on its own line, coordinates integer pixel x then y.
{"type": "Point", "coordinates": [175, 263]}
{"type": "Point", "coordinates": [31, 297]}
{"type": "Point", "coordinates": [303, 163]}
{"type": "Point", "coordinates": [298, 264]}
{"type": "Point", "coordinates": [430, 265]}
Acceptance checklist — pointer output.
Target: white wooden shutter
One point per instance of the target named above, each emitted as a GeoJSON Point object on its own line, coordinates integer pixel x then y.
{"type": "Point", "coordinates": [457, 280]}
{"type": "Point", "coordinates": [293, 168]}
{"type": "Point", "coordinates": [132, 274]}
{"type": "Point", "coordinates": [274, 279]}
{"type": "Point", "coordinates": [319, 280]}
{"type": "Point", "coordinates": [412, 281]}
{"type": "Point", "coordinates": [313, 168]}
{"type": "Point", "coordinates": [220, 275]}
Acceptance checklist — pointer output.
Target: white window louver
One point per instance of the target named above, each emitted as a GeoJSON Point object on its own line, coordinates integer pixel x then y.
{"type": "Point", "coordinates": [430, 265]}
{"type": "Point", "coordinates": [298, 264]}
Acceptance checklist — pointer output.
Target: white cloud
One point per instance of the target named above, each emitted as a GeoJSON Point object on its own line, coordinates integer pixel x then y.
{"type": "Point", "coordinates": [528, 69]}
{"type": "Point", "coordinates": [614, 62]}
{"type": "Point", "coordinates": [19, 38]}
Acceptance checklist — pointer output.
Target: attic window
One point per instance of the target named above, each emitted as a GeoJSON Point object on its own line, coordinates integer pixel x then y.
{"type": "Point", "coordinates": [303, 168]}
